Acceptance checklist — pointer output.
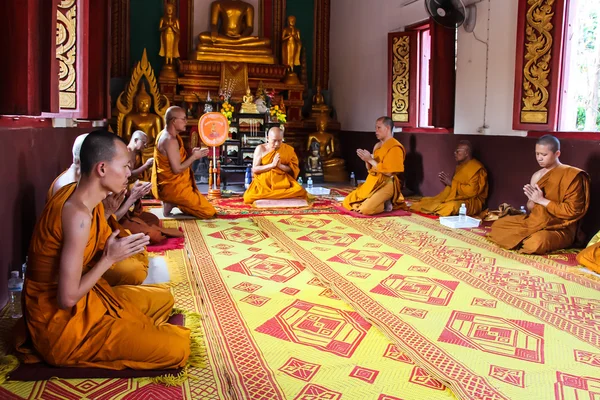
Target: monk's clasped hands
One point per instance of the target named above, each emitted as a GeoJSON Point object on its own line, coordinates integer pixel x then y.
{"type": "Point", "coordinates": [535, 194]}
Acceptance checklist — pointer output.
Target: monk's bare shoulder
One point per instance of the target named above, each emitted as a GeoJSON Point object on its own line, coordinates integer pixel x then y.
{"type": "Point", "coordinates": [538, 175]}
{"type": "Point", "coordinates": [377, 146]}
{"type": "Point", "coordinates": [76, 218]}
{"type": "Point", "coordinates": [165, 141]}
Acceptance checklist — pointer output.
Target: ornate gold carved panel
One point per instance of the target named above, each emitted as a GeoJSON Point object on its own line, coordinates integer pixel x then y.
{"type": "Point", "coordinates": [538, 57]}
{"type": "Point", "coordinates": [66, 53]}
{"type": "Point", "coordinates": [400, 78]}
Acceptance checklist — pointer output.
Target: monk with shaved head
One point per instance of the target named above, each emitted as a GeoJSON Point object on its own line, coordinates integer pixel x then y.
{"type": "Point", "coordinates": [172, 179]}
{"type": "Point", "coordinates": [73, 317]}
{"type": "Point", "coordinates": [275, 169]}
{"type": "Point", "coordinates": [558, 196]}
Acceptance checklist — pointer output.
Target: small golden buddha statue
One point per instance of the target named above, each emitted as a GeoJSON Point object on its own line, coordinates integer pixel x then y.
{"type": "Point", "coordinates": [234, 41]}
{"type": "Point", "coordinates": [334, 167]}
{"type": "Point", "coordinates": [169, 40]}
{"type": "Point", "coordinates": [142, 119]}
{"type": "Point", "coordinates": [248, 107]}
{"type": "Point", "coordinates": [290, 50]}
{"type": "Point", "coordinates": [318, 104]}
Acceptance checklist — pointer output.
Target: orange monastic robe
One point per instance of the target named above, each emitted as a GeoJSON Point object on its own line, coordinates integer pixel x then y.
{"type": "Point", "coordinates": [131, 271]}
{"type": "Point", "coordinates": [469, 186]}
{"type": "Point", "coordinates": [549, 228]}
{"type": "Point", "coordinates": [276, 184]}
{"type": "Point", "coordinates": [178, 189]}
{"type": "Point", "coordinates": [370, 197]}
{"type": "Point", "coordinates": [113, 328]}
{"type": "Point", "coordinates": [590, 256]}
{"type": "Point", "coordinates": [140, 221]}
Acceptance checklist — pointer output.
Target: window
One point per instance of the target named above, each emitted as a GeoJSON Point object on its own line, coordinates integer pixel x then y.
{"type": "Point", "coordinates": [579, 97]}
{"type": "Point", "coordinates": [557, 85]}
{"type": "Point", "coordinates": [422, 69]}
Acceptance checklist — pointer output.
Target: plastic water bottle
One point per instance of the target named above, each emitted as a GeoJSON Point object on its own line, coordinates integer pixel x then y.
{"type": "Point", "coordinates": [352, 179]}
{"type": "Point", "coordinates": [248, 177]}
{"type": "Point", "coordinates": [523, 210]}
{"type": "Point", "coordinates": [309, 183]}
{"type": "Point", "coordinates": [462, 212]}
{"type": "Point", "coordinates": [300, 181]}
{"type": "Point", "coordinates": [15, 287]}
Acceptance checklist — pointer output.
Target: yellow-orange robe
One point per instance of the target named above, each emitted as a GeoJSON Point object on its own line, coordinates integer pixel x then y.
{"type": "Point", "coordinates": [178, 189]}
{"type": "Point", "coordinates": [370, 197]}
{"type": "Point", "coordinates": [590, 256]}
{"type": "Point", "coordinates": [131, 271]}
{"type": "Point", "coordinates": [113, 328]}
{"type": "Point", "coordinates": [549, 228]}
{"type": "Point", "coordinates": [469, 186]}
{"type": "Point", "coordinates": [140, 221]}
{"type": "Point", "coordinates": [276, 184]}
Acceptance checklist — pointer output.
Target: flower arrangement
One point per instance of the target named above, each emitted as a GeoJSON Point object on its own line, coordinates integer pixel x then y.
{"type": "Point", "coordinates": [227, 111]}
{"type": "Point", "coordinates": [278, 114]}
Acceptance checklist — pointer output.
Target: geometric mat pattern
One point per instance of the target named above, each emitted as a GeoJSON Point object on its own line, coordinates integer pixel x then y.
{"type": "Point", "coordinates": [486, 322]}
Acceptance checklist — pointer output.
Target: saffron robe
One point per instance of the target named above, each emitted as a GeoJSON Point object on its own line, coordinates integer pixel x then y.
{"type": "Point", "coordinates": [112, 328]}
{"type": "Point", "coordinates": [549, 228]}
{"type": "Point", "coordinates": [276, 184]}
{"type": "Point", "coordinates": [469, 186]}
{"type": "Point", "coordinates": [131, 271]}
{"type": "Point", "coordinates": [590, 256]}
{"type": "Point", "coordinates": [178, 189]}
{"type": "Point", "coordinates": [139, 221]}
{"type": "Point", "coordinates": [370, 197]}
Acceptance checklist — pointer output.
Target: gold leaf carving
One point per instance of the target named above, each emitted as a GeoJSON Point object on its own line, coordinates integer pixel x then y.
{"type": "Point", "coordinates": [66, 53]}
{"type": "Point", "coordinates": [400, 78]}
{"type": "Point", "coordinates": [538, 54]}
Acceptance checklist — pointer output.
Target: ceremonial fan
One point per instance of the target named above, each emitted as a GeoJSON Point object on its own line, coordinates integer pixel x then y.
{"type": "Point", "coordinates": [213, 128]}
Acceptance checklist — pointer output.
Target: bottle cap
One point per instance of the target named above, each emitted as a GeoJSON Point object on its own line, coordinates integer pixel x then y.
{"type": "Point", "coordinates": [14, 274]}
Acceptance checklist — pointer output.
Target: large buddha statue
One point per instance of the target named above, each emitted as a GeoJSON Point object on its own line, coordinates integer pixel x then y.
{"type": "Point", "coordinates": [334, 167]}
{"type": "Point", "coordinates": [234, 41]}
{"type": "Point", "coordinates": [144, 120]}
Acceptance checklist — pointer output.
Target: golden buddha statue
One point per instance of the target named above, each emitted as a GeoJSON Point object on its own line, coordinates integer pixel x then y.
{"type": "Point", "coordinates": [334, 167]}
{"type": "Point", "coordinates": [290, 50]}
{"type": "Point", "coordinates": [169, 40]}
{"type": "Point", "coordinates": [318, 104]}
{"type": "Point", "coordinates": [144, 120]}
{"type": "Point", "coordinates": [234, 42]}
{"type": "Point", "coordinates": [248, 107]}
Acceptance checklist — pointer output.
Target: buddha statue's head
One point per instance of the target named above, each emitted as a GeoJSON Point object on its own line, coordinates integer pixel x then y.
{"type": "Point", "coordinates": [143, 100]}
{"type": "Point", "coordinates": [321, 124]}
{"type": "Point", "coordinates": [291, 20]}
{"type": "Point", "coordinates": [169, 9]}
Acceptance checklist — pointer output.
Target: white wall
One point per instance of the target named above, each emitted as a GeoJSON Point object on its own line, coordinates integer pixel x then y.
{"type": "Point", "coordinates": [358, 63]}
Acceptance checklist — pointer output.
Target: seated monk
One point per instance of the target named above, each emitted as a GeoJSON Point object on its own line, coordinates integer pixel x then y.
{"type": "Point", "coordinates": [275, 169]}
{"type": "Point", "coordinates": [381, 190]}
{"type": "Point", "coordinates": [468, 186]}
{"type": "Point", "coordinates": [136, 220]}
{"type": "Point", "coordinates": [558, 196]}
{"type": "Point", "coordinates": [172, 179]}
{"type": "Point", "coordinates": [133, 270]}
{"type": "Point", "coordinates": [73, 317]}
{"type": "Point", "coordinates": [590, 256]}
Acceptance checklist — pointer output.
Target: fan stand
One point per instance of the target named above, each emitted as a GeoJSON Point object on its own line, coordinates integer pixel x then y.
{"type": "Point", "coordinates": [214, 177]}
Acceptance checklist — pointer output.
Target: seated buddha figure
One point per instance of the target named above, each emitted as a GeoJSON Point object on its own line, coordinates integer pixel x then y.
{"type": "Point", "coordinates": [234, 41]}
{"type": "Point", "coordinates": [318, 104]}
{"type": "Point", "coordinates": [334, 167]}
{"type": "Point", "coordinates": [143, 120]}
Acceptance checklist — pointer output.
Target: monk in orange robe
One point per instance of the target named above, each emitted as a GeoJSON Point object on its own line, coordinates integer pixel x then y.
{"type": "Point", "coordinates": [133, 270]}
{"type": "Point", "coordinates": [382, 189]}
{"type": "Point", "coordinates": [275, 169]}
{"type": "Point", "coordinates": [172, 178]}
{"type": "Point", "coordinates": [73, 317]}
{"type": "Point", "coordinates": [468, 185]}
{"type": "Point", "coordinates": [590, 256]}
{"type": "Point", "coordinates": [558, 196]}
{"type": "Point", "coordinates": [137, 220]}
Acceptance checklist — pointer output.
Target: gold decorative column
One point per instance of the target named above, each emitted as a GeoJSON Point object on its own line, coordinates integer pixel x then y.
{"type": "Point", "coordinates": [400, 78]}
{"type": "Point", "coordinates": [66, 53]}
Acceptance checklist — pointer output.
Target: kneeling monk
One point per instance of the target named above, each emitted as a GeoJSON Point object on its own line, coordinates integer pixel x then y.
{"type": "Point", "coordinates": [134, 269]}
{"type": "Point", "coordinates": [590, 256]}
{"type": "Point", "coordinates": [468, 185]}
{"type": "Point", "coordinates": [72, 316]}
{"type": "Point", "coordinates": [382, 189]}
{"type": "Point", "coordinates": [558, 196]}
{"type": "Point", "coordinates": [275, 169]}
{"type": "Point", "coordinates": [172, 179]}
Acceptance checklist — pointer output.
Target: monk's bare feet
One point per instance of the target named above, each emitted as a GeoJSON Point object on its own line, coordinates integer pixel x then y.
{"type": "Point", "coordinates": [388, 206]}
{"type": "Point", "coordinates": [167, 207]}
